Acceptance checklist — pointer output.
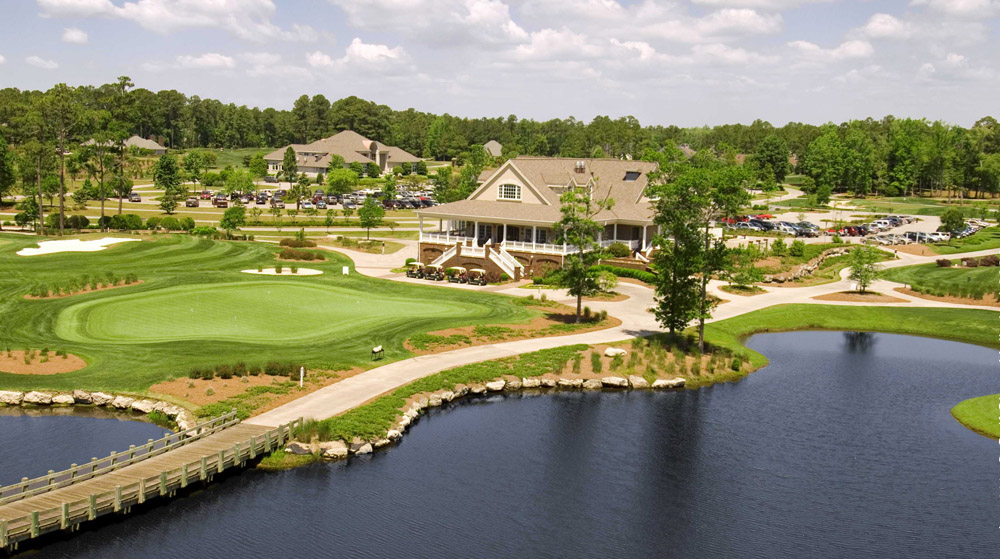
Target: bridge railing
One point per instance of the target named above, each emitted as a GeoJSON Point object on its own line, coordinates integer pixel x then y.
{"type": "Point", "coordinates": [122, 497]}
{"type": "Point", "coordinates": [116, 460]}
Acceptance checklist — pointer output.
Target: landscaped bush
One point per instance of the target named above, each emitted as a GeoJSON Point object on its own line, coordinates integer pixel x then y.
{"type": "Point", "coordinates": [296, 243]}
{"type": "Point", "coordinates": [203, 230]}
{"type": "Point", "coordinates": [242, 369]}
{"type": "Point", "coordinates": [779, 248]}
{"type": "Point", "coordinates": [170, 224]}
{"type": "Point", "coordinates": [295, 254]}
{"type": "Point", "coordinates": [798, 248]}
{"type": "Point", "coordinates": [641, 275]}
{"type": "Point", "coordinates": [82, 283]}
{"type": "Point", "coordinates": [125, 222]}
{"type": "Point", "coordinates": [77, 222]}
{"type": "Point", "coordinates": [187, 223]}
{"type": "Point", "coordinates": [619, 250]}
{"type": "Point", "coordinates": [153, 223]}
{"type": "Point", "coordinates": [943, 262]}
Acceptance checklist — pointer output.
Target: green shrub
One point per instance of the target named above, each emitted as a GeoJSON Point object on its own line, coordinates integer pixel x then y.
{"type": "Point", "coordinates": [296, 243]}
{"type": "Point", "coordinates": [797, 249]}
{"type": "Point", "coordinates": [616, 362]}
{"type": "Point", "coordinates": [153, 223]}
{"type": "Point", "coordinates": [837, 239]}
{"type": "Point", "coordinates": [619, 250]}
{"type": "Point", "coordinates": [943, 262]}
{"type": "Point", "coordinates": [641, 275]}
{"type": "Point", "coordinates": [778, 247]}
{"type": "Point", "coordinates": [170, 224]}
{"type": "Point", "coordinates": [595, 362]}
{"type": "Point", "coordinates": [203, 230]}
{"type": "Point", "coordinates": [295, 254]}
{"type": "Point", "coordinates": [736, 364]}
{"type": "Point", "coordinates": [187, 224]}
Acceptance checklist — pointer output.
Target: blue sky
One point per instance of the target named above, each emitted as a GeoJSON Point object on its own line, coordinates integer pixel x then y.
{"type": "Point", "coordinates": [685, 63]}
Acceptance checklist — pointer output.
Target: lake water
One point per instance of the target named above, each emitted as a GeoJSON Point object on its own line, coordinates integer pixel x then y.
{"type": "Point", "coordinates": [842, 447]}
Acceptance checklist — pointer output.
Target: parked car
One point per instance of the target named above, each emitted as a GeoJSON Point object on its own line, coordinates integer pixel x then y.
{"type": "Point", "coordinates": [350, 205]}
{"type": "Point", "coordinates": [261, 198]}
{"type": "Point", "coordinates": [221, 203]}
{"type": "Point", "coordinates": [307, 205]}
{"type": "Point", "coordinates": [134, 197]}
{"type": "Point", "coordinates": [192, 202]}
{"type": "Point", "coordinates": [321, 204]}
{"type": "Point", "coordinates": [749, 226]}
{"type": "Point", "coordinates": [277, 203]}
{"type": "Point", "coordinates": [390, 204]}
{"type": "Point", "coordinates": [206, 194]}
{"type": "Point", "coordinates": [270, 179]}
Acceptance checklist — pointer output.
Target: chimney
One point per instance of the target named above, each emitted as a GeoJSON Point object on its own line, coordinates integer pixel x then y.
{"type": "Point", "coordinates": [580, 165]}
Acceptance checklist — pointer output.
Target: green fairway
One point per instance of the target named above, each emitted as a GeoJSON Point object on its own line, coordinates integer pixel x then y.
{"type": "Point", "coordinates": [936, 280]}
{"type": "Point", "coordinates": [980, 414]}
{"type": "Point", "coordinates": [984, 239]}
{"type": "Point", "coordinates": [194, 308]}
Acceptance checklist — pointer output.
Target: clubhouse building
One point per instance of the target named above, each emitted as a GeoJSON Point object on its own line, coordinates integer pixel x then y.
{"type": "Point", "coordinates": [505, 226]}
{"type": "Point", "coordinates": [314, 158]}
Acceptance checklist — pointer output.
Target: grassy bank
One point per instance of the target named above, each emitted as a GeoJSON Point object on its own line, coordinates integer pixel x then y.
{"type": "Point", "coordinates": [984, 239]}
{"type": "Point", "coordinates": [980, 414]}
{"type": "Point", "coordinates": [940, 281]}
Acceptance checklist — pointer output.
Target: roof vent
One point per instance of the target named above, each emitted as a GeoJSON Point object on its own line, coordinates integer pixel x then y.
{"type": "Point", "coordinates": [580, 166]}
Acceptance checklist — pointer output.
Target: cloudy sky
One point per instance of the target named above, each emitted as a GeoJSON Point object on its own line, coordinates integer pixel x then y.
{"type": "Point", "coordinates": [685, 63]}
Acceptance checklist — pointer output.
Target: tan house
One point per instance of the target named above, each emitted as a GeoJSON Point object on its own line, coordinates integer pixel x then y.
{"type": "Point", "coordinates": [136, 142]}
{"type": "Point", "coordinates": [505, 226]}
{"type": "Point", "coordinates": [314, 158]}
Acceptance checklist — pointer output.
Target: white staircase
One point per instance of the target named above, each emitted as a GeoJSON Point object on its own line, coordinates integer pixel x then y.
{"type": "Point", "coordinates": [506, 262]}
{"type": "Point", "coordinates": [445, 256]}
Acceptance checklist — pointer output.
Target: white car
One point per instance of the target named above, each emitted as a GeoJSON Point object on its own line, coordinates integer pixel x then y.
{"type": "Point", "coordinates": [750, 226]}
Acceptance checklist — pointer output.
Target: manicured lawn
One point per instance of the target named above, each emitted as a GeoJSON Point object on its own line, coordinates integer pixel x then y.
{"type": "Point", "coordinates": [980, 414]}
{"type": "Point", "coordinates": [971, 326]}
{"type": "Point", "coordinates": [933, 279]}
{"type": "Point", "coordinates": [195, 309]}
{"type": "Point", "coordinates": [983, 239]}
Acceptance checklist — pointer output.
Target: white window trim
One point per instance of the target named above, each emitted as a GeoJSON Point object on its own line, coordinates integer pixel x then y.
{"type": "Point", "coordinates": [500, 192]}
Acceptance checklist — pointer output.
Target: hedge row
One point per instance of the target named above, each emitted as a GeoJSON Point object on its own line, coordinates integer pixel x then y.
{"type": "Point", "coordinates": [241, 369]}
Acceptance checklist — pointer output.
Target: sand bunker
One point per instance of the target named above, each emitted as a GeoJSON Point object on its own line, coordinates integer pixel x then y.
{"type": "Point", "coordinates": [285, 272]}
{"type": "Point", "coordinates": [73, 245]}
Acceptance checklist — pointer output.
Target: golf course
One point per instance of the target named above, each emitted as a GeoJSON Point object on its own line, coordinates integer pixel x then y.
{"type": "Point", "coordinates": [193, 307]}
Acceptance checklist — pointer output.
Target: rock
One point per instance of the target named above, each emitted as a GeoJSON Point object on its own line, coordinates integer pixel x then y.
{"type": "Point", "coordinates": [184, 424]}
{"type": "Point", "coordinates": [393, 435]}
{"type": "Point", "coordinates": [513, 385]}
{"type": "Point", "coordinates": [102, 399]}
{"type": "Point", "coordinates": [422, 402]}
{"type": "Point", "coordinates": [447, 396]}
{"type": "Point", "coordinates": [379, 443]}
{"type": "Point", "coordinates": [38, 398]}
{"type": "Point", "coordinates": [143, 406]}
{"type": "Point", "coordinates": [615, 351]}
{"type": "Point", "coordinates": [361, 447]}
{"type": "Point", "coordinates": [122, 402]}
{"type": "Point", "coordinates": [548, 382]}
{"type": "Point", "coordinates": [63, 399]}
{"type": "Point", "coordinates": [172, 411]}
{"type": "Point", "coordinates": [11, 397]}
{"type": "Point", "coordinates": [477, 389]}
{"type": "Point", "coordinates": [298, 448]}
{"type": "Point", "coordinates": [669, 383]}
{"type": "Point", "coordinates": [82, 397]}
{"type": "Point", "coordinates": [496, 385]}
{"type": "Point", "coordinates": [614, 382]}
{"type": "Point", "coordinates": [333, 450]}
{"type": "Point", "coordinates": [592, 384]}
{"type": "Point", "coordinates": [435, 400]}
{"type": "Point", "coordinates": [638, 382]}
{"type": "Point", "coordinates": [570, 383]}
{"type": "Point", "coordinates": [531, 382]}
{"type": "Point", "coordinates": [412, 414]}
{"type": "Point", "coordinates": [461, 390]}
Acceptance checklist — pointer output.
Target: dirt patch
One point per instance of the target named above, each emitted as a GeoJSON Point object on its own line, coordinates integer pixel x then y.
{"type": "Point", "coordinates": [989, 300]}
{"type": "Point", "coordinates": [919, 250]}
{"type": "Point", "coordinates": [84, 290]}
{"type": "Point", "coordinates": [855, 297]}
{"type": "Point", "coordinates": [559, 320]}
{"type": "Point", "coordinates": [613, 297]}
{"type": "Point", "coordinates": [54, 365]}
{"type": "Point", "coordinates": [743, 292]}
{"type": "Point", "coordinates": [771, 262]}
{"type": "Point", "coordinates": [201, 392]}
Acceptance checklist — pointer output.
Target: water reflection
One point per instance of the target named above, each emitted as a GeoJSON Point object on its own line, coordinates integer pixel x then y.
{"type": "Point", "coordinates": [859, 342]}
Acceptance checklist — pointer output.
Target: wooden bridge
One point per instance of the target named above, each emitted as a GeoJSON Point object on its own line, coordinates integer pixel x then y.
{"type": "Point", "coordinates": [114, 484]}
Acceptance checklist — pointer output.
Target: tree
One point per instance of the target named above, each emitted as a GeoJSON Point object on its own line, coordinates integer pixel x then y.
{"type": "Point", "coordinates": [389, 188]}
{"type": "Point", "coordinates": [864, 268]}
{"type": "Point", "coordinates": [952, 220]}
{"type": "Point", "coordinates": [341, 181]}
{"type": "Point", "coordinates": [578, 229]}
{"type": "Point", "coordinates": [8, 173]}
{"type": "Point", "coordinates": [328, 221]}
{"type": "Point", "coordinates": [62, 113]}
{"type": "Point", "coordinates": [276, 213]}
{"type": "Point", "coordinates": [288, 165]}
{"type": "Point", "coordinates": [336, 162]}
{"type": "Point", "coordinates": [357, 168]}
{"type": "Point", "coordinates": [233, 218]}
{"type": "Point", "coordinates": [193, 165]}
{"type": "Point", "coordinates": [167, 177]}
{"type": "Point", "coordinates": [372, 170]}
{"type": "Point", "coordinates": [348, 212]}
{"type": "Point", "coordinates": [311, 212]}
{"type": "Point", "coordinates": [421, 167]}
{"type": "Point", "coordinates": [258, 167]}
{"type": "Point", "coordinates": [745, 273]}
{"type": "Point", "coordinates": [370, 214]}
{"type": "Point", "coordinates": [773, 151]}
{"type": "Point", "coordinates": [239, 180]}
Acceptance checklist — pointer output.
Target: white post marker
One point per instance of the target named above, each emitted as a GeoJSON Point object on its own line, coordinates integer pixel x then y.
{"type": "Point", "coordinates": [302, 375]}
{"type": "Point", "coordinates": [346, 270]}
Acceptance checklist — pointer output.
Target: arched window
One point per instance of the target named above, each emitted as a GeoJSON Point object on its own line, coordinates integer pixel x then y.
{"type": "Point", "coordinates": [509, 192]}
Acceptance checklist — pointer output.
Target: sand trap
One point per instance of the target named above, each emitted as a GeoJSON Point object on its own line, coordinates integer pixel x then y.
{"type": "Point", "coordinates": [72, 245]}
{"type": "Point", "coordinates": [284, 272]}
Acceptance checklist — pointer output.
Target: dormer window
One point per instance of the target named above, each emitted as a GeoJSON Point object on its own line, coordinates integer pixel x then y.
{"type": "Point", "coordinates": [509, 192]}
{"type": "Point", "coordinates": [631, 176]}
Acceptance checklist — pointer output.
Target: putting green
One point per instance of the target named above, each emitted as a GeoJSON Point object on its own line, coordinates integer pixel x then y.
{"type": "Point", "coordinates": [264, 312]}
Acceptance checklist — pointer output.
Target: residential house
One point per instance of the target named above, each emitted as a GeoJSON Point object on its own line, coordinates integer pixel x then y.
{"type": "Point", "coordinates": [506, 225]}
{"type": "Point", "coordinates": [136, 142]}
{"type": "Point", "coordinates": [314, 158]}
{"type": "Point", "coordinates": [493, 148]}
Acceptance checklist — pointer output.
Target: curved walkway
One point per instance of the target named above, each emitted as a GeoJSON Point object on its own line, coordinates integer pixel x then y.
{"type": "Point", "coordinates": [633, 312]}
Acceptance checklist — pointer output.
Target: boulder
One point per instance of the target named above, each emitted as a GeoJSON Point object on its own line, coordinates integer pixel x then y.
{"type": "Point", "coordinates": [422, 402]}
{"type": "Point", "coordinates": [298, 448]}
{"type": "Point", "coordinates": [183, 424]}
{"type": "Point", "coordinates": [461, 390]}
{"type": "Point", "coordinates": [531, 382]}
{"type": "Point", "coordinates": [172, 411]}
{"type": "Point", "coordinates": [513, 385]}
{"type": "Point", "coordinates": [404, 422]}
{"type": "Point", "coordinates": [37, 398]}
{"type": "Point", "coordinates": [394, 435]}
{"type": "Point", "coordinates": [63, 399]}
{"type": "Point", "coordinates": [143, 406]}
{"type": "Point", "coordinates": [669, 383]}
{"type": "Point", "coordinates": [570, 383]}
{"type": "Point", "coordinates": [412, 414]}
{"type": "Point", "coordinates": [615, 351]}
{"type": "Point", "coordinates": [122, 402]}
{"type": "Point", "coordinates": [548, 382]}
{"type": "Point", "coordinates": [447, 396]}
{"type": "Point", "coordinates": [496, 385]}
{"type": "Point", "coordinates": [11, 397]}
{"type": "Point", "coordinates": [592, 384]}
{"type": "Point", "coordinates": [333, 450]}
{"type": "Point", "coordinates": [379, 443]}
{"type": "Point", "coordinates": [82, 397]}
{"type": "Point", "coordinates": [434, 401]}
{"type": "Point", "coordinates": [101, 398]}
{"type": "Point", "coordinates": [361, 447]}
{"type": "Point", "coordinates": [614, 382]}
{"type": "Point", "coordinates": [638, 382]}
{"type": "Point", "coordinates": [477, 389]}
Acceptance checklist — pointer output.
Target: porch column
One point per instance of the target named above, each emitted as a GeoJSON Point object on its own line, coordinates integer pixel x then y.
{"type": "Point", "coordinates": [504, 239]}
{"type": "Point", "coordinates": [643, 247]}
{"type": "Point", "coordinates": [440, 225]}
{"type": "Point", "coordinates": [421, 218]}
{"type": "Point", "coordinates": [534, 237]}
{"type": "Point", "coordinates": [616, 231]}
{"type": "Point", "coordinates": [475, 233]}
{"type": "Point", "coordinates": [447, 233]}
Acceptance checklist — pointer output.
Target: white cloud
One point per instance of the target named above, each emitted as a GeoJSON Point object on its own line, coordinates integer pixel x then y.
{"type": "Point", "coordinates": [74, 35]}
{"type": "Point", "coordinates": [886, 26]}
{"type": "Point", "coordinates": [550, 44]}
{"type": "Point", "coordinates": [846, 50]}
{"type": "Point", "coordinates": [209, 60]}
{"type": "Point", "coordinates": [441, 22]}
{"type": "Point", "coordinates": [952, 68]}
{"type": "Point", "coordinates": [261, 58]}
{"type": "Point", "coordinates": [760, 4]}
{"type": "Point", "coordinates": [245, 19]}
{"type": "Point", "coordinates": [2, 59]}
{"type": "Point", "coordinates": [366, 53]}
{"type": "Point", "coordinates": [40, 62]}
{"type": "Point", "coordinates": [717, 52]}
{"type": "Point", "coordinates": [318, 59]}
{"type": "Point", "coordinates": [978, 9]}
{"type": "Point", "coordinates": [740, 22]}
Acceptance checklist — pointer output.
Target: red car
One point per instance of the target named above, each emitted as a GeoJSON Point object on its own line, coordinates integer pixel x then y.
{"type": "Point", "coordinates": [206, 195]}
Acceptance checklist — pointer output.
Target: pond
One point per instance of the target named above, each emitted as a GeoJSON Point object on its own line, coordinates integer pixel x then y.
{"type": "Point", "coordinates": [842, 447]}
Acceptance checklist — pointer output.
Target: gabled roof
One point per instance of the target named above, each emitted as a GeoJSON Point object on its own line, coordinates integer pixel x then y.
{"type": "Point", "coordinates": [350, 145]}
{"type": "Point", "coordinates": [494, 148]}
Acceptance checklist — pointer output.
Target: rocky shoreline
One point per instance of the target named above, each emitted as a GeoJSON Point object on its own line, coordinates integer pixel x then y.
{"type": "Point", "coordinates": [807, 269]}
{"type": "Point", "coordinates": [184, 419]}
{"type": "Point", "coordinates": [340, 449]}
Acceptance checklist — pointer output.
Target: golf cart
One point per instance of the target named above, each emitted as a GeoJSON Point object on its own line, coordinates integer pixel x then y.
{"type": "Point", "coordinates": [477, 276]}
{"type": "Point", "coordinates": [456, 274]}
{"type": "Point", "coordinates": [415, 270]}
{"type": "Point", "coordinates": [433, 272]}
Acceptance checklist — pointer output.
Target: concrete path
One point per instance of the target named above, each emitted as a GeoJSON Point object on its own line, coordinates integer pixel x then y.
{"type": "Point", "coordinates": [633, 312]}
